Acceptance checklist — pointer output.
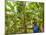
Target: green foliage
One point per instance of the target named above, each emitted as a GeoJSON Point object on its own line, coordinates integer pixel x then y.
{"type": "Point", "coordinates": [20, 14]}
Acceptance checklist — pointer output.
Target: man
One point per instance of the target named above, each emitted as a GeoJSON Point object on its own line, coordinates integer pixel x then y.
{"type": "Point", "coordinates": [36, 27]}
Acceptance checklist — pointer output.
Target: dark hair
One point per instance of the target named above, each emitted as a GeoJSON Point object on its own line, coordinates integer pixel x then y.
{"type": "Point", "coordinates": [35, 22]}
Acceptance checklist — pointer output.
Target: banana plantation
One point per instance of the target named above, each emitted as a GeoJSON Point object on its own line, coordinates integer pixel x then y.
{"type": "Point", "coordinates": [20, 17]}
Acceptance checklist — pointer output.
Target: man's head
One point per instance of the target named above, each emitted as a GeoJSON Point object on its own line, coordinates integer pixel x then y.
{"type": "Point", "coordinates": [35, 21]}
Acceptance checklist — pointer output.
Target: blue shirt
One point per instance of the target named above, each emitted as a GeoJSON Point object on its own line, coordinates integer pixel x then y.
{"type": "Point", "coordinates": [36, 28]}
